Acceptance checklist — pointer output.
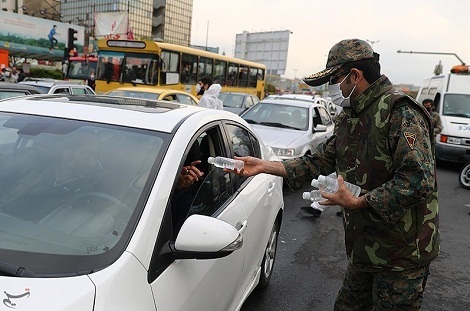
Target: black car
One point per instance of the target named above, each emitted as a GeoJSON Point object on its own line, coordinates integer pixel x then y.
{"type": "Point", "coordinates": [9, 90]}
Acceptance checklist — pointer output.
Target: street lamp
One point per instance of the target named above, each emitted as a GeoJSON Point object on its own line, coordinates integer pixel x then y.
{"type": "Point", "coordinates": [435, 53]}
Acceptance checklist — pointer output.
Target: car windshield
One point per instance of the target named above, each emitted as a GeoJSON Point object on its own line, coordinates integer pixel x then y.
{"type": "Point", "coordinates": [134, 94]}
{"type": "Point", "coordinates": [277, 115]}
{"type": "Point", "coordinates": [232, 100]}
{"type": "Point", "coordinates": [70, 190]}
{"type": "Point", "coordinates": [457, 105]}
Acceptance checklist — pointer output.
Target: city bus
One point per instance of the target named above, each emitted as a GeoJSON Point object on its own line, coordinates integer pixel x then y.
{"type": "Point", "coordinates": [80, 67]}
{"type": "Point", "coordinates": [165, 65]}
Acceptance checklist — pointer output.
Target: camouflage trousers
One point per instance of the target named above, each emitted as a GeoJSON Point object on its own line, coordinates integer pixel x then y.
{"type": "Point", "coordinates": [374, 289]}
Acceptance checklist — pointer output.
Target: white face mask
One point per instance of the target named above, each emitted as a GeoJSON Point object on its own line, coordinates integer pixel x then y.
{"type": "Point", "coordinates": [337, 95]}
{"type": "Point", "coordinates": [198, 87]}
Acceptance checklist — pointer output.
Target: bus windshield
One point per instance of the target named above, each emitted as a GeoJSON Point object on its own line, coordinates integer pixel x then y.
{"type": "Point", "coordinates": [80, 67]}
{"type": "Point", "coordinates": [135, 68]}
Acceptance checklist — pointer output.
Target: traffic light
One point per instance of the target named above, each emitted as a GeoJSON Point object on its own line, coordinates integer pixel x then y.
{"type": "Point", "coordinates": [71, 38]}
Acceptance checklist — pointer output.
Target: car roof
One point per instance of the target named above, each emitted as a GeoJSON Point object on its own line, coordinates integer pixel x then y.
{"type": "Point", "coordinates": [237, 93]}
{"type": "Point", "coordinates": [290, 102]}
{"type": "Point", "coordinates": [147, 114]}
{"type": "Point", "coordinates": [51, 82]}
{"type": "Point", "coordinates": [146, 89]}
{"type": "Point", "coordinates": [19, 86]}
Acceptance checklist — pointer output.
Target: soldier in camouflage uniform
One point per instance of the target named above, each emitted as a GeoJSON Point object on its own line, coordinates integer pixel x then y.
{"type": "Point", "coordinates": [382, 142]}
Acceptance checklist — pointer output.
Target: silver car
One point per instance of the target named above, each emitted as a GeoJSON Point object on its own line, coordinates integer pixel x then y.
{"type": "Point", "coordinates": [325, 102]}
{"type": "Point", "coordinates": [290, 127]}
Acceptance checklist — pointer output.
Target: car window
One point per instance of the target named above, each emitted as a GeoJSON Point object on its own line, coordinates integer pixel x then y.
{"type": "Point", "coordinates": [12, 93]}
{"type": "Point", "coordinates": [325, 116]}
{"type": "Point", "coordinates": [61, 90]}
{"type": "Point", "coordinates": [79, 91]}
{"type": "Point", "coordinates": [171, 97]}
{"type": "Point", "coordinates": [248, 102]}
{"type": "Point", "coordinates": [185, 99]}
{"type": "Point", "coordinates": [209, 195]}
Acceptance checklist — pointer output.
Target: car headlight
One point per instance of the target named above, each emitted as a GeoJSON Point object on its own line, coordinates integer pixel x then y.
{"type": "Point", "coordinates": [289, 152]}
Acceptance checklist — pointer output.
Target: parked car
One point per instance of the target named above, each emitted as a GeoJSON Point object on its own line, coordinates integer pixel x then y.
{"type": "Point", "coordinates": [51, 86]}
{"type": "Point", "coordinates": [8, 90]}
{"type": "Point", "coordinates": [332, 109]}
{"type": "Point", "coordinates": [155, 93]}
{"type": "Point", "coordinates": [94, 216]}
{"type": "Point", "coordinates": [238, 102]}
{"type": "Point", "coordinates": [290, 127]}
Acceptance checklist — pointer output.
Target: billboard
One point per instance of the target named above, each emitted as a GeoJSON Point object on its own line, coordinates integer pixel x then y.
{"type": "Point", "coordinates": [27, 36]}
{"type": "Point", "coordinates": [269, 48]}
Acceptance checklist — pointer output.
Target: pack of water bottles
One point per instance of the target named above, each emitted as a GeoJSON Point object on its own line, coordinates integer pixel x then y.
{"type": "Point", "coordinates": [327, 184]}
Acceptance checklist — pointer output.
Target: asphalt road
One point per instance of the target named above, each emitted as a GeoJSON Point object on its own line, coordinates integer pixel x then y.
{"type": "Point", "coordinates": [311, 260]}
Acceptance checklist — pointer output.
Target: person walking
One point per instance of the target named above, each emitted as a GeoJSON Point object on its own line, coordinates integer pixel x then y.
{"type": "Point", "coordinates": [211, 99]}
{"type": "Point", "coordinates": [382, 142]}
{"type": "Point", "coordinates": [436, 118]}
{"type": "Point", "coordinates": [91, 82]}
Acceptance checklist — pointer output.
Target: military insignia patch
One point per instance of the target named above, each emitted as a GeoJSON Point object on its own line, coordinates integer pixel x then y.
{"type": "Point", "coordinates": [410, 139]}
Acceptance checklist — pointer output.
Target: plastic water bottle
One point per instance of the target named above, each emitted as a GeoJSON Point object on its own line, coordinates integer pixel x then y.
{"type": "Point", "coordinates": [330, 184]}
{"type": "Point", "coordinates": [227, 163]}
{"type": "Point", "coordinates": [313, 195]}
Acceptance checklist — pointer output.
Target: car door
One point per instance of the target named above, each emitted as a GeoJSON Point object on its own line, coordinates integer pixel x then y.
{"type": "Point", "coordinates": [260, 194]}
{"type": "Point", "coordinates": [213, 284]}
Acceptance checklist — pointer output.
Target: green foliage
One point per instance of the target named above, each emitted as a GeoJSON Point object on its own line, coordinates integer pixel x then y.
{"type": "Point", "coordinates": [45, 73]}
{"type": "Point", "coordinates": [270, 89]}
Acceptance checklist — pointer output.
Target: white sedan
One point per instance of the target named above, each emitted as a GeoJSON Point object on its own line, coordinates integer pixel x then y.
{"type": "Point", "coordinates": [94, 216]}
{"type": "Point", "coordinates": [292, 128]}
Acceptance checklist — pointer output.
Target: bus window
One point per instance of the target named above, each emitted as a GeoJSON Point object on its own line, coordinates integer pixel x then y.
{"type": "Point", "coordinates": [260, 75]}
{"type": "Point", "coordinates": [205, 68]}
{"type": "Point", "coordinates": [188, 68]}
{"type": "Point", "coordinates": [243, 76]}
{"type": "Point", "coordinates": [252, 77]}
{"type": "Point", "coordinates": [109, 66]}
{"type": "Point", "coordinates": [232, 74]}
{"type": "Point", "coordinates": [220, 71]}
{"type": "Point", "coordinates": [139, 68]}
{"type": "Point", "coordinates": [169, 71]}
{"type": "Point", "coordinates": [80, 67]}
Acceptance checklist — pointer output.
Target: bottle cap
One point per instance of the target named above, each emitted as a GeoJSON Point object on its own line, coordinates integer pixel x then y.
{"type": "Point", "coordinates": [306, 195]}
{"type": "Point", "coordinates": [210, 160]}
{"type": "Point", "coordinates": [321, 179]}
{"type": "Point", "coordinates": [317, 206]}
{"type": "Point", "coordinates": [315, 183]}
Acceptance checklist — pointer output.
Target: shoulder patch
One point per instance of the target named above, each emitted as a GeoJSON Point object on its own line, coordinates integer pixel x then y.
{"type": "Point", "coordinates": [410, 139]}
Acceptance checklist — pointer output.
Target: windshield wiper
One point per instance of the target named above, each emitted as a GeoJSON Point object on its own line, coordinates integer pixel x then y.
{"type": "Point", "coordinates": [276, 124]}
{"type": "Point", "coordinates": [8, 269]}
{"type": "Point", "coordinates": [251, 121]}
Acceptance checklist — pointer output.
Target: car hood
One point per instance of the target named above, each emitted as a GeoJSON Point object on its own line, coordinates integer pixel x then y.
{"type": "Point", "coordinates": [65, 294]}
{"type": "Point", "coordinates": [277, 137]}
{"type": "Point", "coordinates": [238, 111]}
{"type": "Point", "coordinates": [456, 126]}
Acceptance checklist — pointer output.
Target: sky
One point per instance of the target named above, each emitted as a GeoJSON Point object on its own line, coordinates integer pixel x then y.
{"type": "Point", "coordinates": [435, 26]}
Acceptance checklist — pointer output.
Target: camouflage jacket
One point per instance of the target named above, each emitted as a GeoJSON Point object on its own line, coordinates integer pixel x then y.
{"type": "Point", "coordinates": [383, 144]}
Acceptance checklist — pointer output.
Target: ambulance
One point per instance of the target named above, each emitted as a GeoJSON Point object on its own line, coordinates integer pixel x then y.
{"type": "Point", "coordinates": [451, 95]}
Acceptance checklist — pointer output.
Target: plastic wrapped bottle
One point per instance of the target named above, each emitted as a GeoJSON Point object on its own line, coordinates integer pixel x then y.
{"type": "Point", "coordinates": [313, 195]}
{"type": "Point", "coordinates": [330, 184]}
{"type": "Point", "coordinates": [227, 163]}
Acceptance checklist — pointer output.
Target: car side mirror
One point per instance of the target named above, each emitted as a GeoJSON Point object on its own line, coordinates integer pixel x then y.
{"type": "Point", "coordinates": [319, 128]}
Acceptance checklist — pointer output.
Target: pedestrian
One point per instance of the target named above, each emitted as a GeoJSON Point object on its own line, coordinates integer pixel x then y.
{"type": "Point", "coordinates": [211, 99]}
{"type": "Point", "coordinates": [53, 41]}
{"type": "Point", "coordinates": [435, 117]}
{"type": "Point", "coordinates": [382, 143]}
{"type": "Point", "coordinates": [91, 82]}
{"type": "Point", "coordinates": [14, 75]}
{"type": "Point", "coordinates": [202, 86]}
{"type": "Point", "coordinates": [21, 75]}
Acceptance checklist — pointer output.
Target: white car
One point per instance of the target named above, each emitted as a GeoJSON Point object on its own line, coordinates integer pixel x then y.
{"type": "Point", "coordinates": [93, 215]}
{"type": "Point", "coordinates": [292, 128]}
{"type": "Point", "coordinates": [51, 86]}
{"type": "Point", "coordinates": [325, 102]}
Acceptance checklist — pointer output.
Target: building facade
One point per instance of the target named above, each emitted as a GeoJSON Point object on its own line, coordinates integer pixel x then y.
{"type": "Point", "coordinates": [167, 20]}
{"type": "Point", "coordinates": [269, 48]}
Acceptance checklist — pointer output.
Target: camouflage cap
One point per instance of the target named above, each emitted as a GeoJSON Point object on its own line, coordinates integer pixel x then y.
{"type": "Point", "coordinates": [343, 52]}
